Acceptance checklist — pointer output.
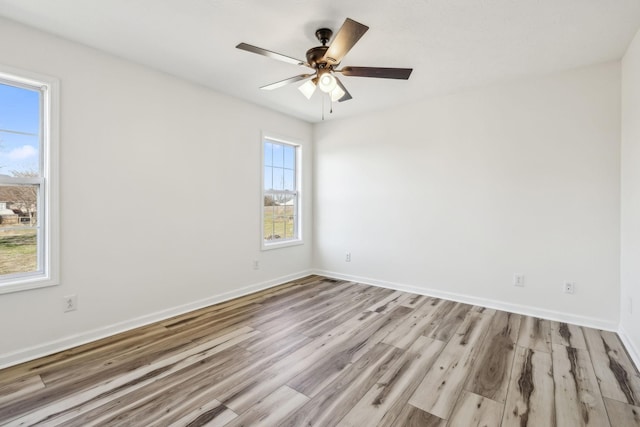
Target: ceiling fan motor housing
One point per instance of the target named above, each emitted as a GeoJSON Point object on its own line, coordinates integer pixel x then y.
{"type": "Point", "coordinates": [324, 35]}
{"type": "Point", "coordinates": [315, 56]}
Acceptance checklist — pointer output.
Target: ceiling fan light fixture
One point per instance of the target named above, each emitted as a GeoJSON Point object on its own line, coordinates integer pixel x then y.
{"type": "Point", "coordinates": [336, 94]}
{"type": "Point", "coordinates": [327, 82]}
{"type": "Point", "coordinates": [308, 88]}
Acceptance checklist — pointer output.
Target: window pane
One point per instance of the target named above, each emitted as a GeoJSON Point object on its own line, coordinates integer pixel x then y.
{"type": "Point", "coordinates": [18, 250]}
{"type": "Point", "coordinates": [18, 228]}
{"type": "Point", "coordinates": [268, 220]}
{"type": "Point", "coordinates": [290, 219]}
{"type": "Point", "coordinates": [19, 131]}
{"type": "Point", "coordinates": [278, 228]}
{"type": "Point", "coordinates": [268, 154]}
{"type": "Point", "coordinates": [278, 155]}
{"type": "Point", "coordinates": [268, 178]}
{"type": "Point", "coordinates": [278, 179]}
{"type": "Point", "coordinates": [289, 157]}
{"type": "Point", "coordinates": [289, 211]}
{"type": "Point", "coordinates": [279, 209]}
{"type": "Point", "coordinates": [280, 205]}
{"type": "Point", "coordinates": [289, 181]}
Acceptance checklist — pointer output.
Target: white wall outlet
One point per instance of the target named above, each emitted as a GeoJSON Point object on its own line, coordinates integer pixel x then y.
{"type": "Point", "coordinates": [256, 264]}
{"type": "Point", "coordinates": [569, 287]}
{"type": "Point", "coordinates": [518, 280]}
{"type": "Point", "coordinates": [70, 303]}
{"type": "Point", "coordinates": [347, 257]}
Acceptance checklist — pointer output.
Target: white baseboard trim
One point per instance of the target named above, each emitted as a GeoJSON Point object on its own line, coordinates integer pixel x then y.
{"type": "Point", "coordinates": [590, 322]}
{"type": "Point", "coordinates": [633, 351]}
{"type": "Point", "coordinates": [51, 347]}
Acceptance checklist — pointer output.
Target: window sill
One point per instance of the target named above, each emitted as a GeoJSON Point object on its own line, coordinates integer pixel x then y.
{"type": "Point", "coordinates": [25, 283]}
{"type": "Point", "coordinates": [285, 244]}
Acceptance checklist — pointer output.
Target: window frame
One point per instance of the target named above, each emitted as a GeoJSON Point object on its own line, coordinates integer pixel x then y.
{"type": "Point", "coordinates": [298, 240]}
{"type": "Point", "coordinates": [48, 201]}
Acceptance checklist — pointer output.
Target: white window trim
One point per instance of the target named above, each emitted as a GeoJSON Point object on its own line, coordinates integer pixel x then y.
{"type": "Point", "coordinates": [298, 145]}
{"type": "Point", "coordinates": [49, 276]}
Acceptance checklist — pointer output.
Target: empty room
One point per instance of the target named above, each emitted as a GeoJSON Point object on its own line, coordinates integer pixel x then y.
{"type": "Point", "coordinates": [305, 213]}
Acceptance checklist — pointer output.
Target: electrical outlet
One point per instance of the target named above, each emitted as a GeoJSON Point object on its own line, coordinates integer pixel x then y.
{"type": "Point", "coordinates": [518, 280]}
{"type": "Point", "coordinates": [70, 303]}
{"type": "Point", "coordinates": [256, 264]}
{"type": "Point", "coordinates": [569, 287]}
{"type": "Point", "coordinates": [347, 257]}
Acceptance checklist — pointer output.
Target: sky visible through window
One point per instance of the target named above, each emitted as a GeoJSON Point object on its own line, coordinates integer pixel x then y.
{"type": "Point", "coordinates": [279, 171]}
{"type": "Point", "coordinates": [19, 129]}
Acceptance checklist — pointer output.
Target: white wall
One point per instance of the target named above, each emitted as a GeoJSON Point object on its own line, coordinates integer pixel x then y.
{"type": "Point", "coordinates": [160, 197]}
{"type": "Point", "coordinates": [630, 256]}
{"type": "Point", "coordinates": [452, 196]}
{"type": "Point", "coordinates": [449, 196]}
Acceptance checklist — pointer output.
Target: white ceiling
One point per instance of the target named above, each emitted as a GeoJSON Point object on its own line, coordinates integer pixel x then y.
{"type": "Point", "coordinates": [450, 44]}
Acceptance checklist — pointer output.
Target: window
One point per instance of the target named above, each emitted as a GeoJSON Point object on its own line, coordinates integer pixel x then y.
{"type": "Point", "coordinates": [280, 194]}
{"type": "Point", "coordinates": [28, 220]}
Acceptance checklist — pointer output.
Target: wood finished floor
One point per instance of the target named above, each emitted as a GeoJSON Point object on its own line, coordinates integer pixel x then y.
{"type": "Point", "coordinates": [321, 352]}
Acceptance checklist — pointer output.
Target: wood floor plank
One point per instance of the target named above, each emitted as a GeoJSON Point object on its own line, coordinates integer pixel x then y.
{"type": "Point", "coordinates": [390, 394]}
{"type": "Point", "coordinates": [270, 411]}
{"type": "Point", "coordinates": [341, 345]}
{"type": "Point", "coordinates": [51, 402]}
{"type": "Point", "coordinates": [161, 401]}
{"type": "Point", "coordinates": [291, 313]}
{"type": "Point", "coordinates": [329, 406]}
{"type": "Point", "coordinates": [20, 388]}
{"type": "Point", "coordinates": [577, 396]}
{"type": "Point", "coordinates": [246, 373]}
{"type": "Point", "coordinates": [568, 335]}
{"type": "Point", "coordinates": [535, 333]}
{"type": "Point", "coordinates": [94, 351]}
{"type": "Point", "coordinates": [414, 417]}
{"type": "Point", "coordinates": [622, 414]}
{"type": "Point", "coordinates": [388, 303]}
{"type": "Point", "coordinates": [530, 398]}
{"type": "Point", "coordinates": [616, 374]}
{"type": "Point", "coordinates": [490, 377]}
{"type": "Point", "coordinates": [211, 414]}
{"type": "Point", "coordinates": [475, 410]}
{"type": "Point", "coordinates": [324, 352]}
{"type": "Point", "coordinates": [443, 329]}
{"type": "Point", "coordinates": [391, 321]}
{"type": "Point", "coordinates": [414, 300]}
{"type": "Point", "coordinates": [441, 387]}
{"type": "Point", "coordinates": [318, 326]}
{"type": "Point", "coordinates": [425, 318]}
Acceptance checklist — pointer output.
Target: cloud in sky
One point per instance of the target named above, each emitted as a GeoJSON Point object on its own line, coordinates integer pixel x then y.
{"type": "Point", "coordinates": [21, 153]}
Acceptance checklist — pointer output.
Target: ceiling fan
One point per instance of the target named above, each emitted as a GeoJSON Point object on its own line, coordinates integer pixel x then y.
{"type": "Point", "coordinates": [324, 60]}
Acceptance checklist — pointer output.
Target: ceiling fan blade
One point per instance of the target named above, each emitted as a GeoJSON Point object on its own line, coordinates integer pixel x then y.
{"type": "Point", "coordinates": [285, 82]}
{"type": "Point", "coordinates": [347, 36]}
{"type": "Point", "coordinates": [270, 54]}
{"type": "Point", "coordinates": [347, 96]}
{"type": "Point", "coordinates": [381, 73]}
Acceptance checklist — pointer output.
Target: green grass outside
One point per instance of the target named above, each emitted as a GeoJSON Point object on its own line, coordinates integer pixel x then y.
{"type": "Point", "coordinates": [17, 251]}
{"type": "Point", "coordinates": [278, 221]}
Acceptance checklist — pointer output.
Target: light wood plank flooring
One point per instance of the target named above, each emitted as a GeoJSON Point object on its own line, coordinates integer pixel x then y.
{"type": "Point", "coordinates": [322, 352]}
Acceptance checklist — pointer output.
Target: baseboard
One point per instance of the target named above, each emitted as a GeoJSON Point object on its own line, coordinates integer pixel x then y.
{"type": "Point", "coordinates": [51, 347]}
{"type": "Point", "coordinates": [632, 350]}
{"type": "Point", "coordinates": [590, 322]}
